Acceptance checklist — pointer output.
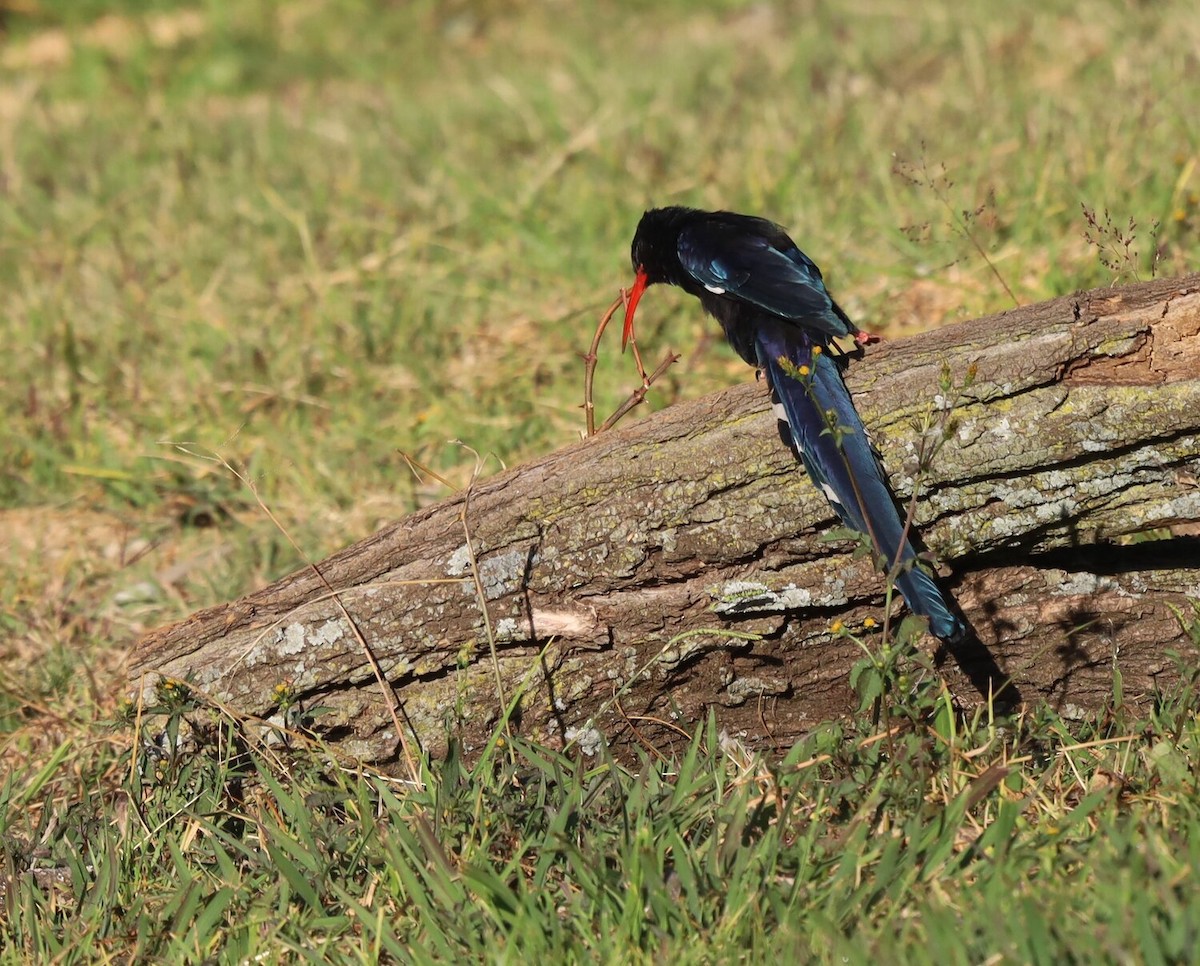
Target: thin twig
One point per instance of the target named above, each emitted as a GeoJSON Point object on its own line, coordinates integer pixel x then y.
{"type": "Point", "coordinates": [637, 358]}
{"type": "Point", "coordinates": [639, 395]}
{"type": "Point", "coordinates": [589, 362]}
{"type": "Point", "coordinates": [589, 372]}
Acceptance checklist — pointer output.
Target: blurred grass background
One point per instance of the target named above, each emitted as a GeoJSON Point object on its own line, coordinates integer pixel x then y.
{"type": "Point", "coordinates": [308, 237]}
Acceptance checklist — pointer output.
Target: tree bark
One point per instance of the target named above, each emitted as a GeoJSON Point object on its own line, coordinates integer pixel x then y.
{"type": "Point", "coordinates": [610, 573]}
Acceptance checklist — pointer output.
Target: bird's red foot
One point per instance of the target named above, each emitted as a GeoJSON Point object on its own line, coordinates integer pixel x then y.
{"type": "Point", "coordinates": [866, 338]}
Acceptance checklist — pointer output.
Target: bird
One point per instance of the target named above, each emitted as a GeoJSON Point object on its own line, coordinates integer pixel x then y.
{"type": "Point", "coordinates": [770, 299]}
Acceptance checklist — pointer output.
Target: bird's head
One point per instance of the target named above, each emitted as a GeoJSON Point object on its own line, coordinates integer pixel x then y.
{"type": "Point", "coordinates": [654, 256]}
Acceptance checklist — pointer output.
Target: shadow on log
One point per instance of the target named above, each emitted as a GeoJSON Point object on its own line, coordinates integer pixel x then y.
{"type": "Point", "coordinates": [614, 569]}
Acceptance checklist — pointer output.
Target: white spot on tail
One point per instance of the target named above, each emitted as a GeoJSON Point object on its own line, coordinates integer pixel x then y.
{"type": "Point", "coordinates": [830, 495]}
{"type": "Point", "coordinates": [716, 290]}
{"type": "Point", "coordinates": [779, 411]}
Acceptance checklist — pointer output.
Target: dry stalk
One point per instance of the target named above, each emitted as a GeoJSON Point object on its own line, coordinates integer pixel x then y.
{"type": "Point", "coordinates": [589, 371]}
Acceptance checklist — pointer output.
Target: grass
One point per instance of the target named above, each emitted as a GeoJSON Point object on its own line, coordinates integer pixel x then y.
{"type": "Point", "coordinates": [307, 238]}
{"type": "Point", "coordinates": [932, 840]}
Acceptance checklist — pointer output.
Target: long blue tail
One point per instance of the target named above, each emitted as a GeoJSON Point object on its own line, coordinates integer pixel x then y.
{"type": "Point", "coordinates": [842, 464]}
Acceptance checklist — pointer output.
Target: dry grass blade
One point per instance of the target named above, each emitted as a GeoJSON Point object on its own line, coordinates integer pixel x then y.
{"type": "Point", "coordinates": [480, 594]}
{"type": "Point", "coordinates": [389, 694]}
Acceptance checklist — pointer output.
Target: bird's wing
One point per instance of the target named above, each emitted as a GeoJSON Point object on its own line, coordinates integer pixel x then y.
{"type": "Point", "coordinates": [740, 263]}
{"type": "Point", "coordinates": [830, 439]}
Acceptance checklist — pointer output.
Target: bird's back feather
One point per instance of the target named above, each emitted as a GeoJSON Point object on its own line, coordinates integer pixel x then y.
{"type": "Point", "coordinates": [754, 260]}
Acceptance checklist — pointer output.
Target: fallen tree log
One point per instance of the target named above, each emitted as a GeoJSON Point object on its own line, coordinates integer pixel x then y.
{"type": "Point", "coordinates": [1081, 430]}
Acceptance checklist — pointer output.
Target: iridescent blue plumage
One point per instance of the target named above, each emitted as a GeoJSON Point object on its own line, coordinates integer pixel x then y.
{"type": "Point", "coordinates": [772, 303]}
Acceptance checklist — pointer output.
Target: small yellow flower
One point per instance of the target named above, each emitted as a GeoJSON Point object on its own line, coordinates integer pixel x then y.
{"type": "Point", "coordinates": [869, 622]}
{"type": "Point", "coordinates": [1180, 214]}
{"type": "Point", "coordinates": [816, 350]}
{"type": "Point", "coordinates": [836, 627]}
{"type": "Point", "coordinates": [172, 690]}
{"type": "Point", "coordinates": [803, 370]}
